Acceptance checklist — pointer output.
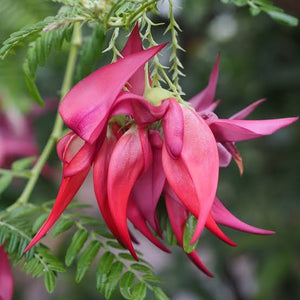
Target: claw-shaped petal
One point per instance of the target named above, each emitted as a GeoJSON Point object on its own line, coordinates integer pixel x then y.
{"type": "Point", "coordinates": [247, 110]}
{"type": "Point", "coordinates": [197, 168]}
{"type": "Point", "coordinates": [204, 99]}
{"type": "Point", "coordinates": [173, 128]}
{"type": "Point", "coordinates": [240, 130]}
{"type": "Point", "coordinates": [100, 90]}
{"type": "Point", "coordinates": [222, 216]}
{"type": "Point", "coordinates": [178, 216]}
{"type": "Point", "coordinates": [125, 166]}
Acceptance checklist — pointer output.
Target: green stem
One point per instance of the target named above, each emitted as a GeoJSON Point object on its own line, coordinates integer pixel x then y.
{"type": "Point", "coordinates": [58, 125]}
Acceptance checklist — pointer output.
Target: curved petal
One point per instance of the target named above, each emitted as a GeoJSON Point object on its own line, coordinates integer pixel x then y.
{"type": "Point", "coordinates": [204, 99]}
{"type": "Point", "coordinates": [215, 229]}
{"type": "Point", "coordinates": [197, 168]}
{"type": "Point", "coordinates": [178, 216]}
{"type": "Point", "coordinates": [136, 84]}
{"type": "Point", "coordinates": [62, 144]}
{"type": "Point", "coordinates": [240, 130]}
{"type": "Point", "coordinates": [136, 218]}
{"type": "Point", "coordinates": [139, 108]}
{"type": "Point", "coordinates": [224, 155]}
{"type": "Point", "coordinates": [100, 171]}
{"type": "Point", "coordinates": [125, 166]}
{"type": "Point", "coordinates": [224, 217]}
{"type": "Point", "coordinates": [149, 186]}
{"type": "Point", "coordinates": [86, 108]}
{"type": "Point", "coordinates": [173, 128]}
{"type": "Point", "coordinates": [68, 188]}
{"type": "Point", "coordinates": [247, 111]}
{"type": "Point", "coordinates": [6, 276]}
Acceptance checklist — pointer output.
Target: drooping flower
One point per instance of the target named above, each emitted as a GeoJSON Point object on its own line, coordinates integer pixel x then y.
{"type": "Point", "coordinates": [142, 144]}
{"type": "Point", "coordinates": [6, 277]}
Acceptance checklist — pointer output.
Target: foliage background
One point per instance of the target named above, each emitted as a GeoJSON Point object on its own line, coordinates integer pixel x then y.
{"type": "Point", "coordinates": [259, 58]}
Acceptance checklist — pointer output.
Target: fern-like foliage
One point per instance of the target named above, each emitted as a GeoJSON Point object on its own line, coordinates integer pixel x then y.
{"type": "Point", "coordinates": [91, 244]}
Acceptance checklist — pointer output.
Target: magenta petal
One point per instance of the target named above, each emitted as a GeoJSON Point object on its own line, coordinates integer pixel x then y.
{"type": "Point", "coordinates": [124, 168]}
{"type": "Point", "coordinates": [68, 188]}
{"type": "Point", "coordinates": [196, 169]}
{"type": "Point", "coordinates": [173, 128]}
{"type": "Point", "coordinates": [81, 160]}
{"type": "Point", "coordinates": [136, 84]}
{"type": "Point", "coordinates": [62, 144]}
{"type": "Point", "coordinates": [178, 216]}
{"type": "Point", "coordinates": [148, 188]}
{"type": "Point", "coordinates": [136, 218]}
{"type": "Point", "coordinates": [204, 99]}
{"type": "Point", "coordinates": [6, 276]}
{"type": "Point", "coordinates": [86, 107]}
{"type": "Point", "coordinates": [224, 155]}
{"type": "Point", "coordinates": [239, 130]}
{"type": "Point", "coordinates": [247, 111]}
{"type": "Point", "coordinates": [224, 217]}
{"type": "Point", "coordinates": [138, 108]}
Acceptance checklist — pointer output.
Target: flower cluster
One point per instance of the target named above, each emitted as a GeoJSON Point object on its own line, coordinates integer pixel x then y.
{"type": "Point", "coordinates": [144, 143]}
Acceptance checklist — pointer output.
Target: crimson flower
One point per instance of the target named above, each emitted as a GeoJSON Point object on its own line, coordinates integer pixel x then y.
{"type": "Point", "coordinates": [142, 144]}
{"type": "Point", "coordinates": [6, 277]}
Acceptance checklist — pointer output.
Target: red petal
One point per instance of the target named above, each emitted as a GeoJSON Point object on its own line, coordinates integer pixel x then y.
{"type": "Point", "coordinates": [215, 229]}
{"type": "Point", "coordinates": [138, 221]}
{"type": "Point", "coordinates": [68, 188]}
{"type": "Point", "coordinates": [178, 216]}
{"type": "Point", "coordinates": [224, 217]}
{"type": "Point", "coordinates": [136, 84]}
{"type": "Point", "coordinates": [100, 182]}
{"type": "Point", "coordinates": [125, 167]}
{"type": "Point", "coordinates": [247, 111]}
{"type": "Point", "coordinates": [6, 276]}
{"type": "Point", "coordinates": [204, 99]}
{"type": "Point", "coordinates": [173, 128]}
{"type": "Point", "coordinates": [196, 169]}
{"type": "Point", "coordinates": [86, 108]}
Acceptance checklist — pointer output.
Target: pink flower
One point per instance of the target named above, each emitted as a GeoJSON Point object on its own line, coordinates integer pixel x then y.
{"type": "Point", "coordinates": [142, 144]}
{"type": "Point", "coordinates": [6, 277]}
{"type": "Point", "coordinates": [16, 138]}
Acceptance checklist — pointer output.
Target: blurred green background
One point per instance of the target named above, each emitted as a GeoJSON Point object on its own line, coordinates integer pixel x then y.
{"type": "Point", "coordinates": [259, 59]}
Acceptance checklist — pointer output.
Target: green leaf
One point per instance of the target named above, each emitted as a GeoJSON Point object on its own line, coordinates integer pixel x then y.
{"type": "Point", "coordinates": [4, 233]}
{"type": "Point", "coordinates": [104, 267]}
{"type": "Point", "coordinates": [13, 242]}
{"type": "Point", "coordinates": [159, 294]}
{"type": "Point", "coordinates": [32, 88]}
{"type": "Point", "coordinates": [254, 11]}
{"type": "Point", "coordinates": [282, 17]}
{"type": "Point", "coordinates": [126, 284]}
{"type": "Point", "coordinates": [78, 240]}
{"type": "Point", "coordinates": [62, 226]}
{"type": "Point", "coordinates": [189, 229]}
{"type": "Point", "coordinates": [141, 268]}
{"type": "Point", "coordinates": [91, 52]}
{"type": "Point", "coordinates": [170, 235]}
{"type": "Point", "coordinates": [49, 281]}
{"type": "Point", "coordinates": [115, 245]}
{"type": "Point", "coordinates": [113, 279]}
{"type": "Point", "coordinates": [23, 163]}
{"type": "Point", "coordinates": [139, 291]}
{"type": "Point", "coordinates": [39, 222]}
{"type": "Point", "coordinates": [151, 278]}
{"type": "Point", "coordinates": [86, 259]}
{"type": "Point", "coordinates": [5, 181]}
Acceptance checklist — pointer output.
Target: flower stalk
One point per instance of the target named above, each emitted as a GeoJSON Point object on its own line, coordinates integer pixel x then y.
{"type": "Point", "coordinates": [58, 124]}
